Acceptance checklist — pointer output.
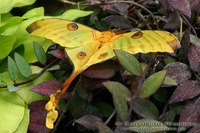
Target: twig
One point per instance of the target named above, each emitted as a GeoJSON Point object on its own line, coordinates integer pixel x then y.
{"type": "Point", "coordinates": [188, 23]}
{"type": "Point", "coordinates": [143, 19]}
{"type": "Point", "coordinates": [110, 117]}
{"type": "Point", "coordinates": [30, 80]}
{"type": "Point", "coordinates": [165, 108]}
{"type": "Point", "coordinates": [138, 88]}
{"type": "Point", "coordinates": [114, 2]}
{"type": "Point", "coordinates": [181, 29]}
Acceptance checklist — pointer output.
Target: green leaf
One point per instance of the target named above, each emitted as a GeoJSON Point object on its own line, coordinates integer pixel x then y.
{"type": "Point", "coordinates": [145, 109]}
{"type": "Point", "coordinates": [129, 62]}
{"type": "Point", "coordinates": [195, 40]}
{"type": "Point", "coordinates": [151, 84]}
{"type": "Point", "coordinates": [12, 111]}
{"type": "Point", "coordinates": [74, 14]}
{"type": "Point", "coordinates": [22, 65]}
{"type": "Point", "coordinates": [7, 5]}
{"type": "Point", "coordinates": [121, 95]}
{"type": "Point", "coordinates": [40, 54]}
{"type": "Point", "coordinates": [36, 12]}
{"type": "Point", "coordinates": [167, 116]}
{"type": "Point", "coordinates": [11, 22]}
{"type": "Point", "coordinates": [29, 53]}
{"type": "Point", "coordinates": [4, 18]}
{"type": "Point", "coordinates": [6, 45]}
{"type": "Point", "coordinates": [144, 66]}
{"type": "Point", "coordinates": [120, 104]}
{"type": "Point", "coordinates": [53, 68]}
{"type": "Point", "coordinates": [28, 95]}
{"type": "Point", "coordinates": [147, 126]}
{"type": "Point", "coordinates": [105, 108]}
{"type": "Point", "coordinates": [76, 104]}
{"type": "Point", "coordinates": [169, 60]}
{"type": "Point", "coordinates": [103, 128]}
{"type": "Point", "coordinates": [169, 81]}
{"type": "Point", "coordinates": [12, 69]}
{"type": "Point", "coordinates": [120, 88]}
{"type": "Point", "coordinates": [12, 88]}
{"type": "Point", "coordinates": [23, 127]}
{"type": "Point", "coordinates": [161, 95]}
{"type": "Point", "coordinates": [0, 79]}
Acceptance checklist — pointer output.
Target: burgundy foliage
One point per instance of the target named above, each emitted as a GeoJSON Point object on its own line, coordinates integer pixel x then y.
{"type": "Point", "coordinates": [195, 5]}
{"type": "Point", "coordinates": [182, 6]}
{"type": "Point", "coordinates": [102, 71]}
{"type": "Point", "coordinates": [194, 57]}
{"type": "Point", "coordinates": [185, 46]}
{"type": "Point", "coordinates": [173, 21]}
{"type": "Point", "coordinates": [92, 83]}
{"type": "Point", "coordinates": [89, 121]}
{"type": "Point", "coordinates": [38, 117]}
{"type": "Point", "coordinates": [195, 129]}
{"type": "Point", "coordinates": [117, 22]}
{"type": "Point", "coordinates": [187, 90]}
{"type": "Point", "coordinates": [190, 113]}
{"type": "Point", "coordinates": [178, 71]}
{"type": "Point", "coordinates": [49, 87]}
{"type": "Point", "coordinates": [59, 54]}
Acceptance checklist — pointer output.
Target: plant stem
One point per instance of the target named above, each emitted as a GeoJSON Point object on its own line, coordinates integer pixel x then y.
{"type": "Point", "coordinates": [110, 117]}
{"type": "Point", "coordinates": [188, 23]}
{"type": "Point", "coordinates": [138, 88]}
{"type": "Point", "coordinates": [30, 80]}
{"type": "Point", "coordinates": [113, 2]}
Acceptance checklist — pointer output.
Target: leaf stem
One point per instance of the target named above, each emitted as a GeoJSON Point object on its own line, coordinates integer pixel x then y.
{"type": "Point", "coordinates": [30, 80]}
{"type": "Point", "coordinates": [138, 88]}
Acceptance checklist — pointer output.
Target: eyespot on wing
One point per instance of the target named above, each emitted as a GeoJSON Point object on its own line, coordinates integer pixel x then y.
{"type": "Point", "coordinates": [34, 26]}
{"type": "Point", "coordinates": [137, 35]}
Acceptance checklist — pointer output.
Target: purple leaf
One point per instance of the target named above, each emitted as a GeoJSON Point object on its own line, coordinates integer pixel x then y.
{"type": "Point", "coordinates": [59, 54]}
{"type": "Point", "coordinates": [38, 117]}
{"type": "Point", "coordinates": [122, 7]}
{"type": "Point", "coordinates": [178, 71]}
{"type": "Point", "coordinates": [190, 113]}
{"type": "Point", "coordinates": [48, 87]}
{"type": "Point", "coordinates": [195, 5]}
{"type": "Point", "coordinates": [117, 21]}
{"type": "Point", "coordinates": [182, 6]}
{"type": "Point", "coordinates": [103, 71]}
{"type": "Point", "coordinates": [195, 129]}
{"type": "Point", "coordinates": [89, 121]}
{"type": "Point", "coordinates": [194, 57]}
{"type": "Point", "coordinates": [91, 83]}
{"type": "Point", "coordinates": [164, 4]}
{"type": "Point", "coordinates": [185, 46]}
{"type": "Point", "coordinates": [173, 21]}
{"type": "Point", "coordinates": [187, 90]}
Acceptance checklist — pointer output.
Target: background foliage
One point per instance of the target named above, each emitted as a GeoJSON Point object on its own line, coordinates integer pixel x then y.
{"type": "Point", "coordinates": [114, 96]}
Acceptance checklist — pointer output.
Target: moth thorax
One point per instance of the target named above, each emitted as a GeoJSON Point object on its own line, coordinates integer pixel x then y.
{"type": "Point", "coordinates": [106, 36]}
